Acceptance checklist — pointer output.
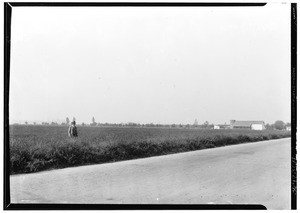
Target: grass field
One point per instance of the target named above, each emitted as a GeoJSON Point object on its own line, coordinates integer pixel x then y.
{"type": "Point", "coordinates": [37, 148]}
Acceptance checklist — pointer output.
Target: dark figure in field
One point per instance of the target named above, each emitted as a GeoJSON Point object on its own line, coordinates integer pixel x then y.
{"type": "Point", "coordinates": [73, 130]}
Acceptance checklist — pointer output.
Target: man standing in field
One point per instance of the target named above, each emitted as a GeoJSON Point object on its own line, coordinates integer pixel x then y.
{"type": "Point", "coordinates": [73, 130]}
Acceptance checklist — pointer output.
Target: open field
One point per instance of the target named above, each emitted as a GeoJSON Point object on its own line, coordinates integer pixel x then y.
{"type": "Point", "coordinates": [37, 148]}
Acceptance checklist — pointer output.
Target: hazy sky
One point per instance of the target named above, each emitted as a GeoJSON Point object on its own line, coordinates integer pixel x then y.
{"type": "Point", "coordinates": [160, 65]}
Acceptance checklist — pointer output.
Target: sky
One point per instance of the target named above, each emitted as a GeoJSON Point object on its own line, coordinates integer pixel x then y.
{"type": "Point", "coordinates": [150, 65]}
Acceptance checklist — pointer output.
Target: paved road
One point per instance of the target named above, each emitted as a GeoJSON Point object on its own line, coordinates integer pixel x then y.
{"type": "Point", "coordinates": [254, 173]}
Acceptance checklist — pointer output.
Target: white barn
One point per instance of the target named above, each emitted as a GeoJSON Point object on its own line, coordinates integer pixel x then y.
{"type": "Point", "coordinates": [253, 125]}
{"type": "Point", "coordinates": [258, 126]}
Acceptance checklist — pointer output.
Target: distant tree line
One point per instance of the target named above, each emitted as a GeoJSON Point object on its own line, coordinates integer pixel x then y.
{"type": "Point", "coordinates": [278, 125]}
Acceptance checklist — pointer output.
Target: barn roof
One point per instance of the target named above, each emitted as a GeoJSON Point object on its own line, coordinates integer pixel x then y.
{"type": "Point", "coordinates": [247, 123]}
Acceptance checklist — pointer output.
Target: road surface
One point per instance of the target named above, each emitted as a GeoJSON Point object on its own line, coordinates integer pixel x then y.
{"type": "Point", "coordinates": [253, 173]}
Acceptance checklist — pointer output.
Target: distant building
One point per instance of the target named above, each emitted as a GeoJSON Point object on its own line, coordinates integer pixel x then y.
{"type": "Point", "coordinates": [222, 126]}
{"type": "Point", "coordinates": [216, 127]}
{"type": "Point", "coordinates": [253, 125]}
{"type": "Point", "coordinates": [288, 128]}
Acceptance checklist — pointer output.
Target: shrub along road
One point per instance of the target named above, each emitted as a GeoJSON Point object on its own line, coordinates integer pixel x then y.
{"type": "Point", "coordinates": [253, 173]}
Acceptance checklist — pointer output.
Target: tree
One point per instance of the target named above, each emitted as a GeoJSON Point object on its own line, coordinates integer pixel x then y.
{"type": "Point", "coordinates": [67, 121]}
{"type": "Point", "coordinates": [93, 122]}
{"type": "Point", "coordinates": [206, 124]}
{"type": "Point", "coordinates": [196, 122]}
{"type": "Point", "coordinates": [270, 126]}
{"type": "Point", "coordinates": [279, 125]}
{"type": "Point", "coordinates": [26, 122]}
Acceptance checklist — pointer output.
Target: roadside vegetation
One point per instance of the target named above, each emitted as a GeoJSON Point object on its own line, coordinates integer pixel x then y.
{"type": "Point", "coordinates": [37, 148]}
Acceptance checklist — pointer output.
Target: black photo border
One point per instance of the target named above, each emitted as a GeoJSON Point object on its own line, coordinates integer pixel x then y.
{"type": "Point", "coordinates": [7, 205]}
{"type": "Point", "coordinates": [293, 105]}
